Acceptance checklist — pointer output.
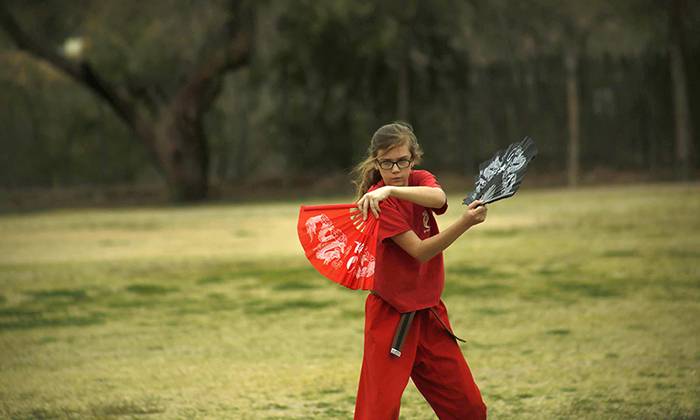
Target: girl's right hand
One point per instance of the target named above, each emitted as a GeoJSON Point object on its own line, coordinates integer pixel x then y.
{"type": "Point", "coordinates": [475, 214]}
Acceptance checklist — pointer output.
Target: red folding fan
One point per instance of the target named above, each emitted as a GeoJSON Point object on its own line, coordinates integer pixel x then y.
{"type": "Point", "coordinates": [339, 244]}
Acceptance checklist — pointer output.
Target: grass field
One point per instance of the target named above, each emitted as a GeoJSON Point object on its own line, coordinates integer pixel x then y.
{"type": "Point", "coordinates": [575, 304]}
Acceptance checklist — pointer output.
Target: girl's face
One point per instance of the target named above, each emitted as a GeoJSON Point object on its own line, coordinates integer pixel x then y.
{"type": "Point", "coordinates": [395, 165]}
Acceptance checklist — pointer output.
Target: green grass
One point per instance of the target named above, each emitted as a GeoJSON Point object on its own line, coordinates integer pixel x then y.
{"type": "Point", "coordinates": [574, 304]}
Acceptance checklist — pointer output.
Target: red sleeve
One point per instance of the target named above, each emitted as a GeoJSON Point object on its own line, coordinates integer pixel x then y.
{"type": "Point", "coordinates": [392, 221]}
{"type": "Point", "coordinates": [426, 179]}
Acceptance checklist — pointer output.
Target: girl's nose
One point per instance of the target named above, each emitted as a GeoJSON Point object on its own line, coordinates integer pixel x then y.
{"type": "Point", "coordinates": [395, 169]}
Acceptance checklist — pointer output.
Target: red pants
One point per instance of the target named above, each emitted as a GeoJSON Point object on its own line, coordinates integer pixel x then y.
{"type": "Point", "coordinates": [430, 356]}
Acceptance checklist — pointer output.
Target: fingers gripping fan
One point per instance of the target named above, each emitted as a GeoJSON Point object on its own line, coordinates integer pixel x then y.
{"type": "Point", "coordinates": [339, 244]}
{"type": "Point", "coordinates": [500, 176]}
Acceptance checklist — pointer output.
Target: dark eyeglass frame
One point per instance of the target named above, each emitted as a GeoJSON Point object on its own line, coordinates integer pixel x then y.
{"type": "Point", "coordinates": [388, 164]}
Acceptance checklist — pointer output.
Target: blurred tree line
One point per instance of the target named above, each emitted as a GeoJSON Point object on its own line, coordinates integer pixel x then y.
{"type": "Point", "coordinates": [224, 92]}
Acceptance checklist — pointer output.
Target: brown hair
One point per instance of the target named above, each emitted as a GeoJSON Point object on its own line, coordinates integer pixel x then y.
{"type": "Point", "coordinates": [387, 137]}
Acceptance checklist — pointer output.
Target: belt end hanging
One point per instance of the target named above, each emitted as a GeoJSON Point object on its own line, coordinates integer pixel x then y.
{"type": "Point", "coordinates": [401, 332]}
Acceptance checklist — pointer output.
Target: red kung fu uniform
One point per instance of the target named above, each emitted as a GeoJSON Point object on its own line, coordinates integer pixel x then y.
{"type": "Point", "coordinates": [430, 354]}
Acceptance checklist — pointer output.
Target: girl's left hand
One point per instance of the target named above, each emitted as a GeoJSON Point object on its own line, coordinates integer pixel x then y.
{"type": "Point", "coordinates": [370, 201]}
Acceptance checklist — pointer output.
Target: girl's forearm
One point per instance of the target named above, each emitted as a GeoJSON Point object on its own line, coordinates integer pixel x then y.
{"type": "Point", "coordinates": [430, 247]}
{"type": "Point", "coordinates": [430, 197]}
{"type": "Point", "coordinates": [425, 249]}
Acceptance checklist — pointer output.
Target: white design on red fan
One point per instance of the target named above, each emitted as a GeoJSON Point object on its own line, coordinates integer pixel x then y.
{"type": "Point", "coordinates": [366, 265]}
{"type": "Point", "coordinates": [331, 241]}
{"type": "Point", "coordinates": [331, 246]}
{"type": "Point", "coordinates": [366, 261]}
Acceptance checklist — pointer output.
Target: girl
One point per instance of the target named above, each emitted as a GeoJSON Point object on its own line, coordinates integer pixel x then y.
{"type": "Point", "coordinates": [407, 332]}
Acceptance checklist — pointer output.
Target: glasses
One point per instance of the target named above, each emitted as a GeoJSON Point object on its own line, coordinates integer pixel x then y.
{"type": "Point", "coordinates": [389, 164]}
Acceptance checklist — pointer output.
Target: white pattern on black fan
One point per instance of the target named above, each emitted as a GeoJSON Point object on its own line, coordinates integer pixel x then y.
{"type": "Point", "coordinates": [500, 176]}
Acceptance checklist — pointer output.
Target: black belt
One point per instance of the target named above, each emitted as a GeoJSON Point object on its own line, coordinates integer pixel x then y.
{"type": "Point", "coordinates": [404, 326]}
{"type": "Point", "coordinates": [401, 332]}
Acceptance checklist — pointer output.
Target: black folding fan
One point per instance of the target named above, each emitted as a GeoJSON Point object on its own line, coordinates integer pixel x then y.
{"type": "Point", "coordinates": [500, 176]}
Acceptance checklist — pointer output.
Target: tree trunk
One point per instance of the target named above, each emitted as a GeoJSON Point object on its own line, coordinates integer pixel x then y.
{"type": "Point", "coordinates": [683, 129]}
{"type": "Point", "coordinates": [403, 90]}
{"type": "Point", "coordinates": [172, 131]}
{"type": "Point", "coordinates": [572, 108]}
{"type": "Point", "coordinates": [182, 153]}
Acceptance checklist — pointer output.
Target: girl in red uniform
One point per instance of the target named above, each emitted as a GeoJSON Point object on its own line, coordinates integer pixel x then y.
{"type": "Point", "coordinates": [408, 282]}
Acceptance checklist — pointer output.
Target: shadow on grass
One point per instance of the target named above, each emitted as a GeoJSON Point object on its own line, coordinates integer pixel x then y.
{"type": "Point", "coordinates": [256, 306]}
{"type": "Point", "coordinates": [556, 270]}
{"type": "Point", "coordinates": [130, 226]}
{"type": "Point", "coordinates": [106, 410]}
{"type": "Point", "coordinates": [683, 253]}
{"type": "Point", "coordinates": [595, 290]}
{"type": "Point", "coordinates": [468, 280]}
{"type": "Point", "coordinates": [126, 408]}
{"type": "Point", "coordinates": [560, 331]}
{"type": "Point", "coordinates": [19, 318]}
{"type": "Point", "coordinates": [143, 296]}
{"type": "Point", "coordinates": [479, 345]}
{"type": "Point", "coordinates": [567, 292]}
{"type": "Point", "coordinates": [470, 271]}
{"type": "Point", "coordinates": [50, 308]}
{"type": "Point", "coordinates": [502, 233]}
{"type": "Point", "coordinates": [351, 314]}
{"type": "Point", "coordinates": [82, 306]}
{"type": "Point", "coordinates": [76, 307]}
{"type": "Point", "coordinates": [486, 311]}
{"type": "Point", "coordinates": [284, 278]}
{"type": "Point", "coordinates": [43, 413]}
{"type": "Point", "coordinates": [266, 308]}
{"type": "Point", "coordinates": [62, 294]}
{"type": "Point", "coordinates": [488, 289]}
{"type": "Point", "coordinates": [212, 279]}
{"type": "Point", "coordinates": [620, 253]}
{"type": "Point", "coordinates": [150, 289]}
{"type": "Point", "coordinates": [55, 299]}
{"type": "Point", "coordinates": [295, 285]}
{"type": "Point", "coordinates": [597, 406]}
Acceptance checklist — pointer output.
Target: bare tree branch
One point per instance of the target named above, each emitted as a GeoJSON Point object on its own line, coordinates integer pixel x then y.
{"type": "Point", "coordinates": [202, 85]}
{"type": "Point", "coordinates": [173, 132]}
{"type": "Point", "coordinates": [82, 72]}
